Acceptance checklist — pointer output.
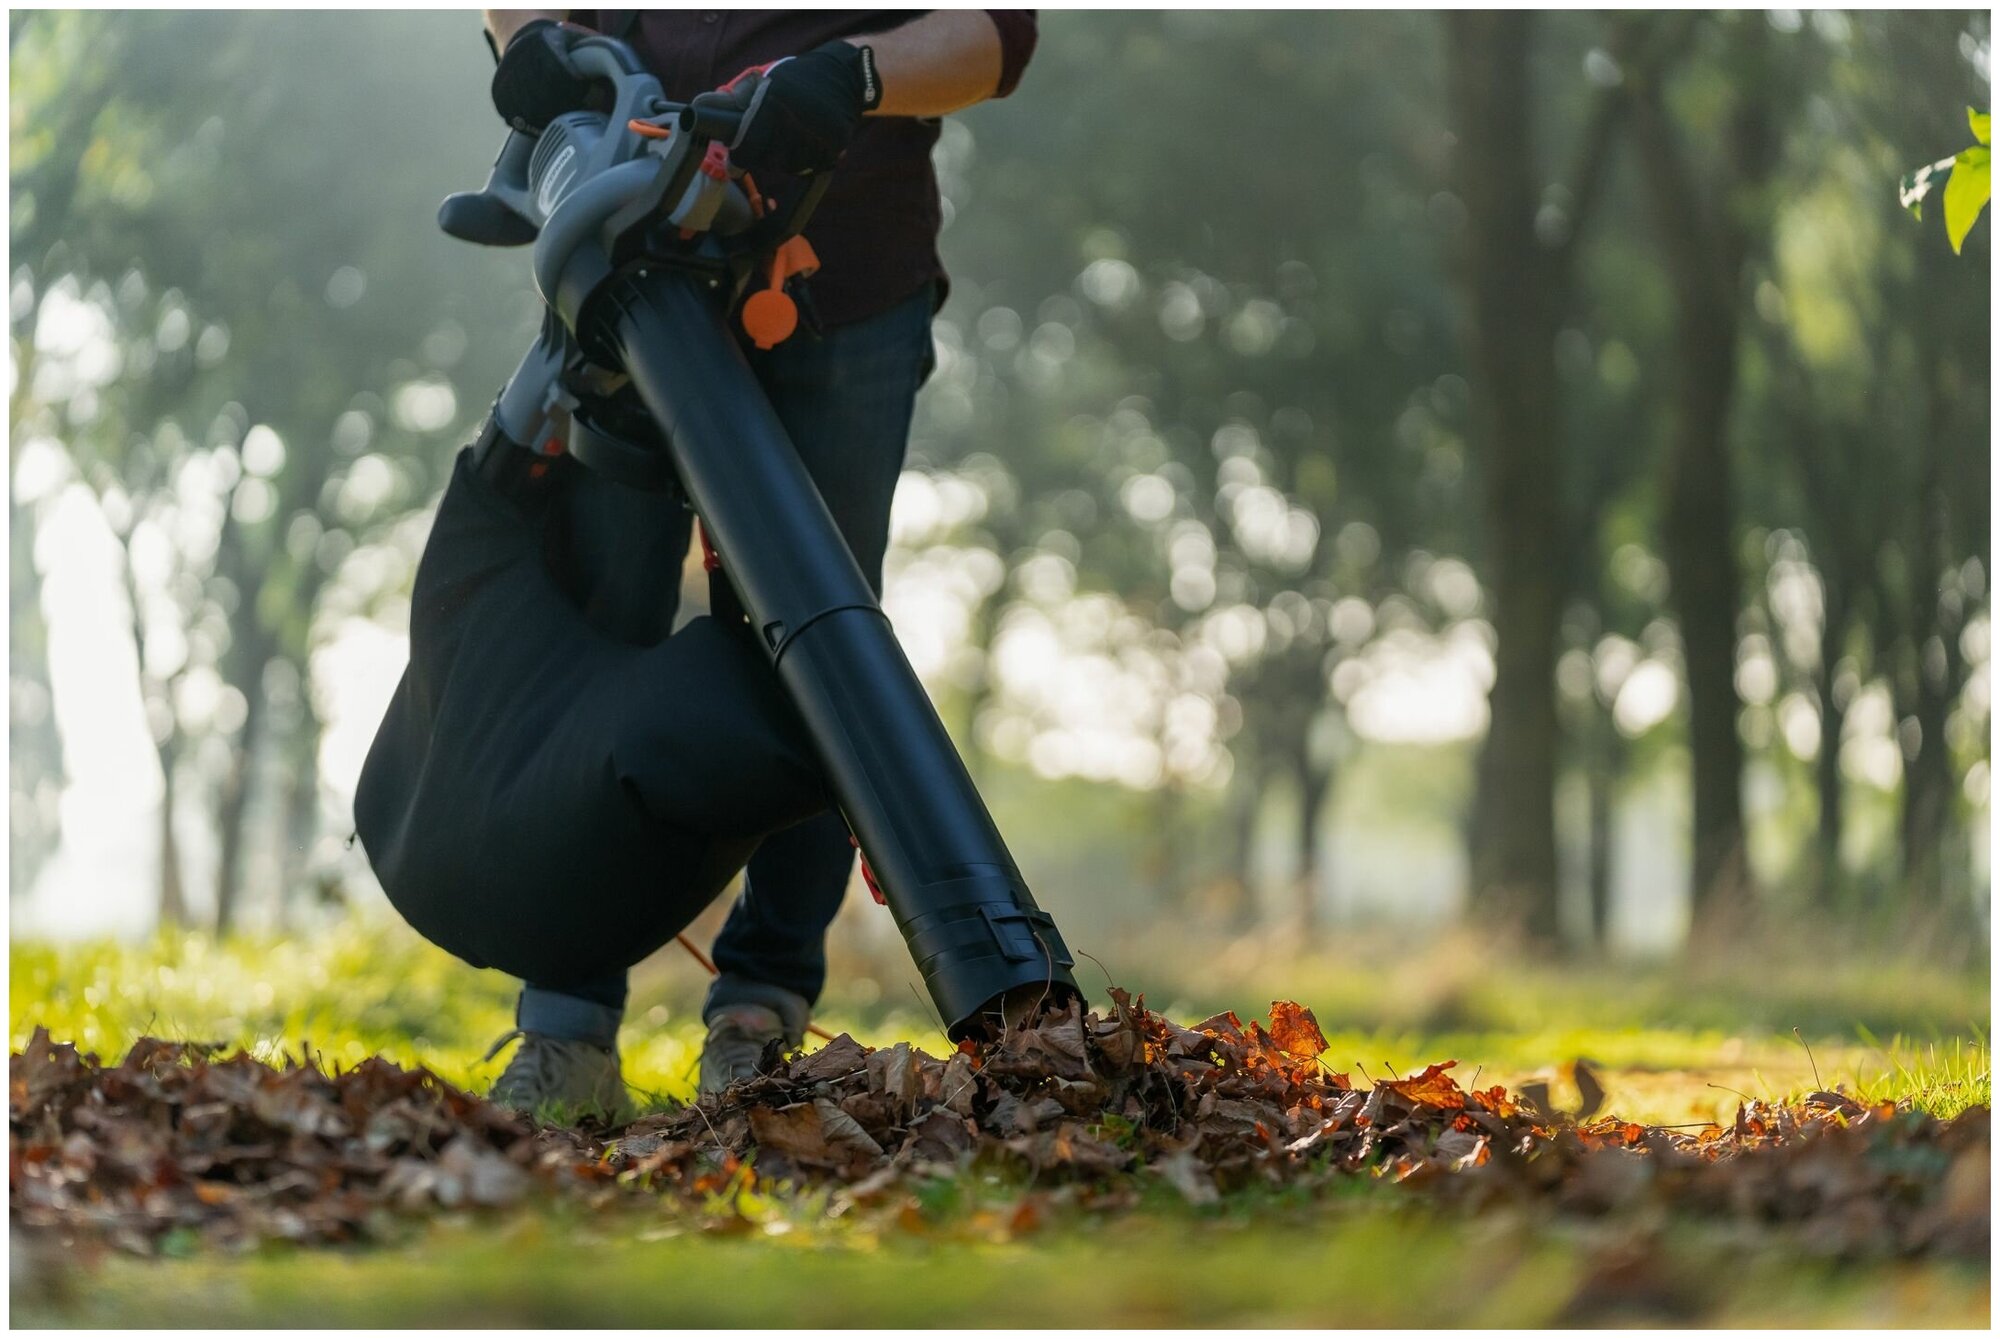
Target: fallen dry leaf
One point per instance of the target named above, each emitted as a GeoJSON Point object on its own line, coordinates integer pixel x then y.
{"type": "Point", "coordinates": [1588, 1090]}
{"type": "Point", "coordinates": [1296, 1031]}
{"type": "Point", "coordinates": [1432, 1088]}
{"type": "Point", "coordinates": [815, 1133]}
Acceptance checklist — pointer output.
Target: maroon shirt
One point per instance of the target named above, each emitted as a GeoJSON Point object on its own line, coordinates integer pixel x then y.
{"type": "Point", "coordinates": [876, 228]}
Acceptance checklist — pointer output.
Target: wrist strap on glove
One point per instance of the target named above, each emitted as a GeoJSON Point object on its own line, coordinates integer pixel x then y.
{"type": "Point", "coordinates": [797, 115]}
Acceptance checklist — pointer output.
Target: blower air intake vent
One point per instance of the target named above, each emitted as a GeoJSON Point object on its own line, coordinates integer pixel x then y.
{"type": "Point", "coordinates": [559, 157]}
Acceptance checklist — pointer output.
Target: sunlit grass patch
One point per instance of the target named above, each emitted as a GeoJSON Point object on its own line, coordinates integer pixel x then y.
{"type": "Point", "coordinates": [360, 987]}
{"type": "Point", "coordinates": [371, 986]}
{"type": "Point", "coordinates": [1941, 1078]}
{"type": "Point", "coordinates": [356, 989]}
{"type": "Point", "coordinates": [1464, 981]}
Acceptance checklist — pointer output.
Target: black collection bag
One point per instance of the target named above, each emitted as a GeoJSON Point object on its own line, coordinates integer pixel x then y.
{"type": "Point", "coordinates": [543, 797]}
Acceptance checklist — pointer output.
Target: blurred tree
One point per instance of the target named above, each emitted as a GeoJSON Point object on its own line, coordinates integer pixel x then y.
{"type": "Point", "coordinates": [1713, 222]}
{"type": "Point", "coordinates": [1517, 269]}
{"type": "Point", "coordinates": [1259, 512]}
{"type": "Point", "coordinates": [1862, 378]}
{"type": "Point", "coordinates": [1931, 673]}
{"type": "Point", "coordinates": [1945, 353]}
{"type": "Point", "coordinates": [45, 164]}
{"type": "Point", "coordinates": [327, 418]}
{"type": "Point", "coordinates": [1828, 455]}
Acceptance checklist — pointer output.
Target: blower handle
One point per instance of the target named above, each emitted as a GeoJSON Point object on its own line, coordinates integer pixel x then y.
{"type": "Point", "coordinates": [709, 121]}
{"type": "Point", "coordinates": [501, 213]}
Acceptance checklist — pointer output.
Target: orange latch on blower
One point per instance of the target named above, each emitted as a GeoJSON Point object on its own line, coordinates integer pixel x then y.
{"type": "Point", "coordinates": [770, 316]}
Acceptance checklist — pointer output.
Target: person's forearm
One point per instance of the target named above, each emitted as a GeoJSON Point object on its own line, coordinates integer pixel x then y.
{"type": "Point", "coordinates": [940, 63]}
{"type": "Point", "coordinates": [504, 23]}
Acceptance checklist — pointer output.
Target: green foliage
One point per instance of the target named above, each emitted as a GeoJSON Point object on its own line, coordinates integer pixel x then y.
{"type": "Point", "coordinates": [1966, 194]}
{"type": "Point", "coordinates": [1968, 185]}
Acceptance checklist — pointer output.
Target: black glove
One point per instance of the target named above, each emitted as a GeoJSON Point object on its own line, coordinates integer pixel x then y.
{"type": "Point", "coordinates": [800, 113]}
{"type": "Point", "coordinates": [535, 82]}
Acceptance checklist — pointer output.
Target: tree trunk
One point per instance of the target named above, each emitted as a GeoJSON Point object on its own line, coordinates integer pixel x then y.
{"type": "Point", "coordinates": [232, 811]}
{"type": "Point", "coordinates": [1701, 565]}
{"type": "Point", "coordinates": [1929, 667]}
{"type": "Point", "coordinates": [243, 665]}
{"type": "Point", "coordinates": [1313, 787]}
{"type": "Point", "coordinates": [300, 818]}
{"type": "Point", "coordinates": [254, 644]}
{"type": "Point", "coordinates": [35, 764]}
{"type": "Point", "coordinates": [1607, 760]}
{"type": "Point", "coordinates": [1245, 802]}
{"type": "Point", "coordinates": [985, 624]}
{"type": "Point", "coordinates": [173, 893]}
{"type": "Point", "coordinates": [1933, 673]}
{"type": "Point", "coordinates": [1704, 244]}
{"type": "Point", "coordinates": [1829, 894]}
{"type": "Point", "coordinates": [1167, 881]}
{"type": "Point", "coordinates": [1508, 279]}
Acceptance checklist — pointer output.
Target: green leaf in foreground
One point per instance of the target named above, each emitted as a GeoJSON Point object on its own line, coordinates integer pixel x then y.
{"type": "Point", "coordinates": [1968, 184]}
{"type": "Point", "coordinates": [1966, 193]}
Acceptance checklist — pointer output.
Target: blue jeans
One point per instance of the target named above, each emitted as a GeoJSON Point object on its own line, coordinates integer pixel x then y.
{"type": "Point", "coordinates": [846, 401]}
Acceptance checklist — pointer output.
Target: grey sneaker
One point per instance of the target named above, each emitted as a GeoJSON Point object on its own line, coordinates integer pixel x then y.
{"type": "Point", "coordinates": [737, 1036]}
{"type": "Point", "coordinates": [552, 1079]}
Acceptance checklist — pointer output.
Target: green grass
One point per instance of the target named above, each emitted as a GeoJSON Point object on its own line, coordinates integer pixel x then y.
{"type": "Point", "coordinates": [367, 987]}
{"type": "Point", "coordinates": [1941, 1078]}
{"type": "Point", "coordinates": [1462, 982]}
{"type": "Point", "coordinates": [1669, 1047]}
{"type": "Point", "coordinates": [1358, 1263]}
{"type": "Point", "coordinates": [359, 989]}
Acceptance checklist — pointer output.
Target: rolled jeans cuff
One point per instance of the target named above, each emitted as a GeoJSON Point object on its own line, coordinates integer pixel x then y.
{"type": "Point", "coordinates": [567, 1017]}
{"type": "Point", "coordinates": [730, 990]}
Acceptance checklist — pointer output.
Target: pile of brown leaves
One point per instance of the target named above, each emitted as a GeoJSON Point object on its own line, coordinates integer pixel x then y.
{"type": "Point", "coordinates": [174, 1137]}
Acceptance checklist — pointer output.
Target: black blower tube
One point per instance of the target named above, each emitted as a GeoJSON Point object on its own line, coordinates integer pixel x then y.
{"type": "Point", "coordinates": [957, 896]}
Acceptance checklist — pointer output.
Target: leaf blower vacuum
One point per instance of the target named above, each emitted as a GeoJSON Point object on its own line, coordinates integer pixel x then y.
{"type": "Point", "coordinates": [549, 800]}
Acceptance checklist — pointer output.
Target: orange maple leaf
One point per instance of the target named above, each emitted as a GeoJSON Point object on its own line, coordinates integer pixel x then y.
{"type": "Point", "coordinates": [1295, 1030]}
{"type": "Point", "coordinates": [1433, 1087]}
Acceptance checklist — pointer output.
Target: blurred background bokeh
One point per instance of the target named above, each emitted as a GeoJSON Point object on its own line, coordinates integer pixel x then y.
{"type": "Point", "coordinates": [1389, 478]}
